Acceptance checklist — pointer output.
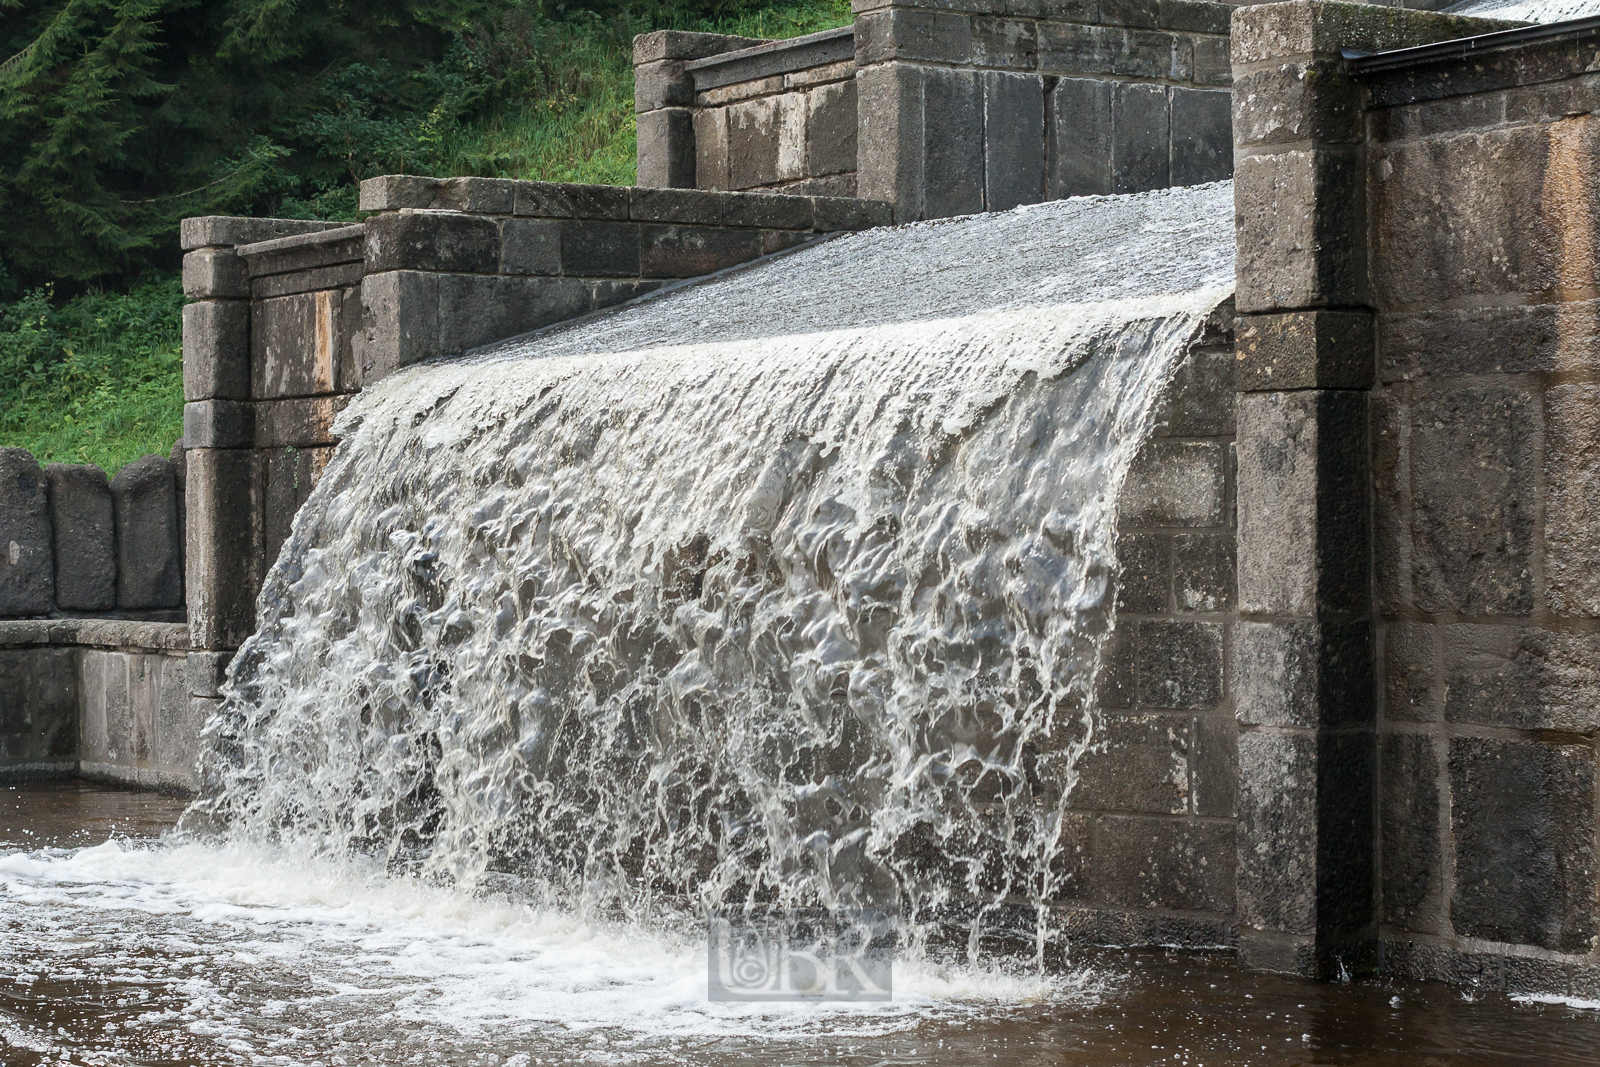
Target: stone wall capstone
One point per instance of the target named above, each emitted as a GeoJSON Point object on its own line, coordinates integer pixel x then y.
{"type": "Point", "coordinates": [73, 543]}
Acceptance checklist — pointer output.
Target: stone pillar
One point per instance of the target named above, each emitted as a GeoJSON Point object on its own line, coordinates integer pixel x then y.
{"type": "Point", "coordinates": [223, 568]}
{"type": "Point", "coordinates": [920, 111]}
{"type": "Point", "coordinates": [663, 97]}
{"type": "Point", "coordinates": [223, 484]}
{"type": "Point", "coordinates": [1305, 689]}
{"type": "Point", "coordinates": [1303, 640]}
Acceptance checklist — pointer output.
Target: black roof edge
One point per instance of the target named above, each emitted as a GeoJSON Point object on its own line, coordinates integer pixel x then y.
{"type": "Point", "coordinates": [1359, 63]}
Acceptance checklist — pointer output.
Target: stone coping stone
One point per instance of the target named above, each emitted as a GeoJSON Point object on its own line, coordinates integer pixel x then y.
{"type": "Point", "coordinates": [96, 633]}
{"type": "Point", "coordinates": [169, 780]}
{"type": "Point", "coordinates": [685, 44]}
{"type": "Point", "coordinates": [37, 770]}
{"type": "Point", "coordinates": [1458, 69]}
{"type": "Point", "coordinates": [227, 231]}
{"type": "Point", "coordinates": [305, 251]}
{"type": "Point", "coordinates": [1269, 33]}
{"type": "Point", "coordinates": [1191, 16]}
{"type": "Point", "coordinates": [776, 57]}
{"type": "Point", "coordinates": [620, 203]}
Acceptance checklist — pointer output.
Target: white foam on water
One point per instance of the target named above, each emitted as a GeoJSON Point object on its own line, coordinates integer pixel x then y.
{"type": "Point", "coordinates": [1536, 11]}
{"type": "Point", "coordinates": [1580, 1003]}
{"type": "Point", "coordinates": [318, 935]}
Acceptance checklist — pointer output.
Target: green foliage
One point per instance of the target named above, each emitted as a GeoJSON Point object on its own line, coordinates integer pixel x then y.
{"type": "Point", "coordinates": [120, 117]}
{"type": "Point", "coordinates": [96, 379]}
{"type": "Point", "coordinates": [560, 96]}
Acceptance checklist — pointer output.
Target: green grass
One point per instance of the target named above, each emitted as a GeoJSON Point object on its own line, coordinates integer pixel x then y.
{"type": "Point", "coordinates": [99, 378]}
{"type": "Point", "coordinates": [582, 128]}
{"type": "Point", "coordinates": [96, 379]}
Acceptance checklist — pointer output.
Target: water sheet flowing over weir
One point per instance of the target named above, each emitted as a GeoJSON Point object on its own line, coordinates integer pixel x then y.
{"type": "Point", "coordinates": [785, 587]}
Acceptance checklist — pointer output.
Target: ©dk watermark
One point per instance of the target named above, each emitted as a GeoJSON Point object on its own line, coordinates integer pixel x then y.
{"type": "Point", "coordinates": [802, 954]}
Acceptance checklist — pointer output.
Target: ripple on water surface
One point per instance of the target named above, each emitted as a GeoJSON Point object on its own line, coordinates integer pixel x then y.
{"type": "Point", "coordinates": [141, 951]}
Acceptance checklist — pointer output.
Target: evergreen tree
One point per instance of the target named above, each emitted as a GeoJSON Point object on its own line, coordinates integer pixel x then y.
{"type": "Point", "coordinates": [119, 117]}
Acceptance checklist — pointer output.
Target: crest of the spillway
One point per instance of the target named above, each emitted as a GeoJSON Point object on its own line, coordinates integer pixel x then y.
{"type": "Point", "coordinates": [784, 587]}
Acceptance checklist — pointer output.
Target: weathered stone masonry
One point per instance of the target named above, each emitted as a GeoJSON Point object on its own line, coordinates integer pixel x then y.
{"type": "Point", "coordinates": [947, 108]}
{"type": "Point", "coordinates": [1486, 439]}
{"type": "Point", "coordinates": [1347, 711]}
{"type": "Point", "coordinates": [730, 113]}
{"type": "Point", "coordinates": [91, 587]}
{"type": "Point", "coordinates": [108, 699]}
{"type": "Point", "coordinates": [1415, 283]}
{"type": "Point", "coordinates": [1151, 820]}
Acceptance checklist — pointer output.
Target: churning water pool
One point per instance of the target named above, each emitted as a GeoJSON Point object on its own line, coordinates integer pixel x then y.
{"type": "Point", "coordinates": [119, 946]}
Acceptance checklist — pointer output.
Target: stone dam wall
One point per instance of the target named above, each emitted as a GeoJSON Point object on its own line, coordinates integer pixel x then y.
{"type": "Point", "coordinates": [1486, 447]}
{"type": "Point", "coordinates": [1152, 815]}
{"type": "Point", "coordinates": [92, 640]}
{"type": "Point", "coordinates": [1416, 680]}
{"type": "Point", "coordinates": [946, 108]}
{"type": "Point", "coordinates": [1350, 706]}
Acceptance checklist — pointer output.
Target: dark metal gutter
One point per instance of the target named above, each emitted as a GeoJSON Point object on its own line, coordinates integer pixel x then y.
{"type": "Point", "coordinates": [1359, 63]}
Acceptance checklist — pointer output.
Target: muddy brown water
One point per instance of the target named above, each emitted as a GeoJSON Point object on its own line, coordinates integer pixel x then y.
{"type": "Point", "coordinates": [91, 984]}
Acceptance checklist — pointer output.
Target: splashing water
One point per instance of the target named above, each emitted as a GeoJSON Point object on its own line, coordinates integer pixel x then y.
{"type": "Point", "coordinates": [1536, 11]}
{"type": "Point", "coordinates": [783, 588]}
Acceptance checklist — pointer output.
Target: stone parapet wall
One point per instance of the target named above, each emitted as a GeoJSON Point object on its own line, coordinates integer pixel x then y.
{"type": "Point", "coordinates": [985, 107]}
{"type": "Point", "coordinates": [106, 699]}
{"type": "Point", "coordinates": [477, 260]}
{"type": "Point", "coordinates": [778, 116]}
{"type": "Point", "coordinates": [72, 542]}
{"type": "Point", "coordinates": [288, 320]}
{"type": "Point", "coordinates": [663, 97]}
{"type": "Point", "coordinates": [949, 108]}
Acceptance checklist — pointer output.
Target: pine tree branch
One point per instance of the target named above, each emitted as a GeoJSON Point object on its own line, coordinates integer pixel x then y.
{"type": "Point", "coordinates": [70, 9]}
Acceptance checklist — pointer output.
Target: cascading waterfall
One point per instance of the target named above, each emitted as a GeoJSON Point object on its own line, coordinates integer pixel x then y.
{"type": "Point", "coordinates": [786, 587]}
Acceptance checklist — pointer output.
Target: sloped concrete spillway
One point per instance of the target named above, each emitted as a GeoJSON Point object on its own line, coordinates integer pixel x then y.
{"type": "Point", "coordinates": [788, 586]}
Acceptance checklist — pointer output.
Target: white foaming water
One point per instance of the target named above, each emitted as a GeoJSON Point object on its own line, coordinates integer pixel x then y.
{"type": "Point", "coordinates": [239, 954]}
{"type": "Point", "coordinates": [1538, 11]}
{"type": "Point", "coordinates": [786, 588]}
{"type": "Point", "coordinates": [1577, 1003]}
{"type": "Point", "coordinates": [457, 959]}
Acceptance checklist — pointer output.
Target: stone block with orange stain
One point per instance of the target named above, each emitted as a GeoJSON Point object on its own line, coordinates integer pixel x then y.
{"type": "Point", "coordinates": [299, 422]}
{"type": "Point", "coordinates": [301, 344]}
{"type": "Point", "coordinates": [1518, 221]}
